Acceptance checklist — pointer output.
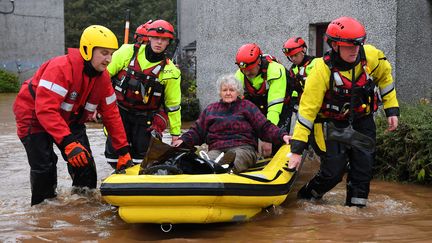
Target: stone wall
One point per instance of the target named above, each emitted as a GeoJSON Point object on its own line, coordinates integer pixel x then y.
{"type": "Point", "coordinates": [30, 35]}
{"type": "Point", "coordinates": [414, 50]}
{"type": "Point", "coordinates": [186, 23]}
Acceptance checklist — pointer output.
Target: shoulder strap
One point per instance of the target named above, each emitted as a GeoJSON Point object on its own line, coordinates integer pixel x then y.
{"type": "Point", "coordinates": [136, 48]}
{"type": "Point", "coordinates": [327, 59]}
{"type": "Point", "coordinates": [264, 66]}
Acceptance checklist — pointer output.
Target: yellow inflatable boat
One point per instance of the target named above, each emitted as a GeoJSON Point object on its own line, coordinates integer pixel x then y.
{"type": "Point", "coordinates": [199, 198]}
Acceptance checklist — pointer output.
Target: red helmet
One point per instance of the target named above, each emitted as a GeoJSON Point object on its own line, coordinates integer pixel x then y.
{"type": "Point", "coordinates": [293, 46]}
{"type": "Point", "coordinates": [248, 55]}
{"type": "Point", "coordinates": [346, 31]}
{"type": "Point", "coordinates": [161, 28]}
{"type": "Point", "coordinates": [142, 31]}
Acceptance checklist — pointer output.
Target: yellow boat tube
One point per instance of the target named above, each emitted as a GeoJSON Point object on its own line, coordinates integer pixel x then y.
{"type": "Point", "coordinates": [202, 198]}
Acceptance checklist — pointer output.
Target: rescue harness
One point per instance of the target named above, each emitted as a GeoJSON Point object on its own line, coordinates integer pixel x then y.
{"type": "Point", "coordinates": [299, 78]}
{"type": "Point", "coordinates": [137, 90]}
{"type": "Point", "coordinates": [347, 98]}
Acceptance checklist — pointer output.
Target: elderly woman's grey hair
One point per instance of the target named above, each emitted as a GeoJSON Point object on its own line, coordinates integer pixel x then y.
{"type": "Point", "coordinates": [230, 80]}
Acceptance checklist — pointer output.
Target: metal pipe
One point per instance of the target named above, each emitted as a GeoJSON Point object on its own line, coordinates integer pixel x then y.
{"type": "Point", "coordinates": [127, 23]}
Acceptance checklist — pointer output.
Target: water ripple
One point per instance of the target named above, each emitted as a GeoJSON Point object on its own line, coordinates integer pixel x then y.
{"type": "Point", "coordinates": [378, 205]}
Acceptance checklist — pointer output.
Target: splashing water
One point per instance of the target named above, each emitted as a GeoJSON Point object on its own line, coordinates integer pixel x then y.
{"type": "Point", "coordinates": [378, 205]}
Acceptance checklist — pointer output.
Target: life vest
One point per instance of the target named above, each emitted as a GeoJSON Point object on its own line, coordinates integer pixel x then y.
{"type": "Point", "coordinates": [299, 78]}
{"type": "Point", "coordinates": [259, 96]}
{"type": "Point", "coordinates": [138, 90]}
{"type": "Point", "coordinates": [338, 99]}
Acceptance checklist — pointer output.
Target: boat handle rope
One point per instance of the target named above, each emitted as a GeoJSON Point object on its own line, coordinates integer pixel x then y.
{"type": "Point", "coordinates": [204, 155]}
{"type": "Point", "coordinates": [255, 178]}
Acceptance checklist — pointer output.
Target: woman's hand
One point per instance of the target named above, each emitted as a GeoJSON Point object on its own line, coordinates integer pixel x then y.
{"type": "Point", "coordinates": [177, 143]}
{"type": "Point", "coordinates": [265, 148]}
{"type": "Point", "coordinates": [174, 139]}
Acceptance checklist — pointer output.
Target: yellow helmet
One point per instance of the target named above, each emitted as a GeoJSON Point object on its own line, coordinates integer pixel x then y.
{"type": "Point", "coordinates": [96, 36]}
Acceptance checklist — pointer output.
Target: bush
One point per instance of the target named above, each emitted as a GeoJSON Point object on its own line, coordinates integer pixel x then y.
{"type": "Point", "coordinates": [8, 82]}
{"type": "Point", "coordinates": [406, 154]}
{"type": "Point", "coordinates": [190, 109]}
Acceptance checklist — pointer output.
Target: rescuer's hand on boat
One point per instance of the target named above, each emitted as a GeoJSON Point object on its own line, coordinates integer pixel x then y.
{"type": "Point", "coordinates": [294, 161]}
{"type": "Point", "coordinates": [124, 162]}
{"type": "Point", "coordinates": [177, 143]}
{"type": "Point", "coordinates": [286, 139]}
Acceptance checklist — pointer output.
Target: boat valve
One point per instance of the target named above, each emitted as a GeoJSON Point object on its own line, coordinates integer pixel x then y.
{"type": "Point", "coordinates": [166, 227]}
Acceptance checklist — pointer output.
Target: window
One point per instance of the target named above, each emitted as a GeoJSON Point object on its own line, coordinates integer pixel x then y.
{"type": "Point", "coordinates": [317, 45]}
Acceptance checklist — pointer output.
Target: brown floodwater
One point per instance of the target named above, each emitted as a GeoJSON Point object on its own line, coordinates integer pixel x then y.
{"type": "Point", "coordinates": [396, 212]}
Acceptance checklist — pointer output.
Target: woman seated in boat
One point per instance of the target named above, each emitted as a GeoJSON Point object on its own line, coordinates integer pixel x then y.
{"type": "Point", "coordinates": [233, 126]}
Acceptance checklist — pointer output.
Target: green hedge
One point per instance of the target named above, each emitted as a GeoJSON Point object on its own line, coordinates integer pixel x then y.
{"type": "Point", "coordinates": [190, 109]}
{"type": "Point", "coordinates": [406, 154]}
{"type": "Point", "coordinates": [8, 82]}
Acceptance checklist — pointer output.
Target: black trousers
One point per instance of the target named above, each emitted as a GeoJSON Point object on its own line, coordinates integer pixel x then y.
{"type": "Point", "coordinates": [138, 137]}
{"type": "Point", "coordinates": [43, 165]}
{"type": "Point", "coordinates": [340, 158]}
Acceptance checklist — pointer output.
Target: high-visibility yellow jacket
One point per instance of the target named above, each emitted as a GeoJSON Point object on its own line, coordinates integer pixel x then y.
{"type": "Point", "coordinates": [318, 83]}
{"type": "Point", "coordinates": [169, 77]}
{"type": "Point", "coordinates": [276, 88]}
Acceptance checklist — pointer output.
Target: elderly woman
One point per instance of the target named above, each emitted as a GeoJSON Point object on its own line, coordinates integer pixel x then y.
{"type": "Point", "coordinates": [233, 126]}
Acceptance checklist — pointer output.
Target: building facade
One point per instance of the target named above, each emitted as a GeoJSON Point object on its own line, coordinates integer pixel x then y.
{"type": "Point", "coordinates": [402, 29]}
